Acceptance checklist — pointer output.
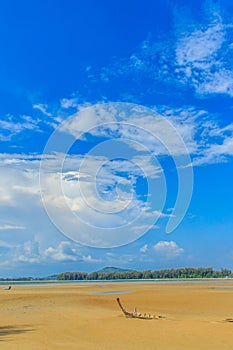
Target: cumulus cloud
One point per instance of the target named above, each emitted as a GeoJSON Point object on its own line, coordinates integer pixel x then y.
{"type": "Point", "coordinates": [65, 251]}
{"type": "Point", "coordinates": [18, 177]}
{"type": "Point", "coordinates": [31, 252]}
{"type": "Point", "coordinates": [96, 188]}
{"type": "Point", "coordinates": [168, 250]}
{"type": "Point", "coordinates": [74, 102]}
{"type": "Point", "coordinates": [103, 194]}
{"type": "Point", "coordinates": [28, 253]}
{"type": "Point", "coordinates": [35, 251]}
{"type": "Point", "coordinates": [100, 188]}
{"type": "Point", "coordinates": [90, 259]}
{"type": "Point", "coordinates": [114, 203]}
{"type": "Point", "coordinates": [144, 248]}
{"type": "Point", "coordinates": [91, 213]}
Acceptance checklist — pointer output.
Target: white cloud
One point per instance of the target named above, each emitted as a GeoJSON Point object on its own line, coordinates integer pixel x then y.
{"type": "Point", "coordinates": [33, 251]}
{"type": "Point", "coordinates": [30, 253]}
{"type": "Point", "coordinates": [152, 133]}
{"type": "Point", "coordinates": [75, 101]}
{"type": "Point", "coordinates": [144, 248]}
{"type": "Point", "coordinates": [114, 206]}
{"type": "Point", "coordinates": [207, 141]}
{"type": "Point", "coordinates": [168, 250]}
{"type": "Point", "coordinates": [65, 251]}
{"type": "Point", "coordinates": [101, 213]}
{"type": "Point", "coordinates": [90, 259]}
{"type": "Point", "coordinates": [43, 109]}
{"type": "Point", "coordinates": [18, 177]}
{"type": "Point", "coordinates": [99, 190]}
{"type": "Point", "coordinates": [69, 102]}
{"type": "Point", "coordinates": [200, 57]}
{"type": "Point", "coordinates": [217, 146]}
{"type": "Point", "coordinates": [143, 130]}
{"type": "Point", "coordinates": [6, 227]}
{"type": "Point", "coordinates": [10, 126]}
{"type": "Point", "coordinates": [184, 130]}
{"type": "Point", "coordinates": [5, 245]}
{"type": "Point", "coordinates": [199, 46]}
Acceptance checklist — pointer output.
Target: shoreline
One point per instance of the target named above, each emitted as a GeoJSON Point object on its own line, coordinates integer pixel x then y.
{"type": "Point", "coordinates": [151, 280]}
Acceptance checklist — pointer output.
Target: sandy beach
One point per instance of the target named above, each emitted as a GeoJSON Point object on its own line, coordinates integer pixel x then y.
{"type": "Point", "coordinates": [81, 316]}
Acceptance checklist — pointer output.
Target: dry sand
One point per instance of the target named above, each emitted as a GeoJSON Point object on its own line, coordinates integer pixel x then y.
{"type": "Point", "coordinates": [72, 317]}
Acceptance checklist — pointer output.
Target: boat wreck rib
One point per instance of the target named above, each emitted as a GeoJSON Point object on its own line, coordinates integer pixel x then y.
{"type": "Point", "coordinates": [135, 314]}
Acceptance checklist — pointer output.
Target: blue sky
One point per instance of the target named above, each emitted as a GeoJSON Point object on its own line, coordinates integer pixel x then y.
{"type": "Point", "coordinates": [116, 134]}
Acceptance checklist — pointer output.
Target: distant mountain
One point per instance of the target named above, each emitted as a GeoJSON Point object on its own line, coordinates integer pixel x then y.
{"type": "Point", "coordinates": [114, 269]}
{"type": "Point", "coordinates": [52, 277]}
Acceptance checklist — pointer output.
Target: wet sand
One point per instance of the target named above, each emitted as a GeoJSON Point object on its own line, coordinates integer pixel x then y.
{"type": "Point", "coordinates": [74, 317]}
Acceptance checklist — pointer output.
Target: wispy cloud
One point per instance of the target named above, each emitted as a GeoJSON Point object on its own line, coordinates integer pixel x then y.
{"type": "Point", "coordinates": [11, 126]}
{"type": "Point", "coordinates": [102, 191]}
{"type": "Point", "coordinates": [206, 139]}
{"type": "Point", "coordinates": [200, 57]}
{"type": "Point", "coordinates": [43, 108]}
{"type": "Point", "coordinates": [204, 58]}
{"type": "Point", "coordinates": [5, 245]}
{"type": "Point", "coordinates": [6, 227]}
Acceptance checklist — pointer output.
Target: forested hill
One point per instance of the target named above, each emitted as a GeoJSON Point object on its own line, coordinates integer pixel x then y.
{"type": "Point", "coordinates": [114, 273]}
{"type": "Point", "coordinates": [114, 269]}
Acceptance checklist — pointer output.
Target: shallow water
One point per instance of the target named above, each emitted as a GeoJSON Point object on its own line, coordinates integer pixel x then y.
{"type": "Point", "coordinates": [114, 292]}
{"type": "Point", "coordinates": [173, 280]}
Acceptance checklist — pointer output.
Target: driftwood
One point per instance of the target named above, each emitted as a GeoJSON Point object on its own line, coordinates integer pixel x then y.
{"type": "Point", "coordinates": [136, 314]}
{"type": "Point", "coordinates": [8, 288]}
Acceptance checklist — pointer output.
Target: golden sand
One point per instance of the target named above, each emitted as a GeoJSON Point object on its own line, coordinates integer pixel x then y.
{"type": "Point", "coordinates": [74, 317]}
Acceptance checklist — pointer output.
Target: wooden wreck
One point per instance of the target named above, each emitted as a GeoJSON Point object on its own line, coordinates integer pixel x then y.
{"type": "Point", "coordinates": [136, 314]}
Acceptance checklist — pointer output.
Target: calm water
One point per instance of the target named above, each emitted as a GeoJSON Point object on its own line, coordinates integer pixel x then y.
{"type": "Point", "coordinates": [114, 292]}
{"type": "Point", "coordinates": [56, 282]}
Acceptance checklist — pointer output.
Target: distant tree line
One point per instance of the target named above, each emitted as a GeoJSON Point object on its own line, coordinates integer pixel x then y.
{"type": "Point", "coordinates": [27, 279]}
{"type": "Point", "coordinates": [187, 272]}
{"type": "Point", "coordinates": [17, 279]}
